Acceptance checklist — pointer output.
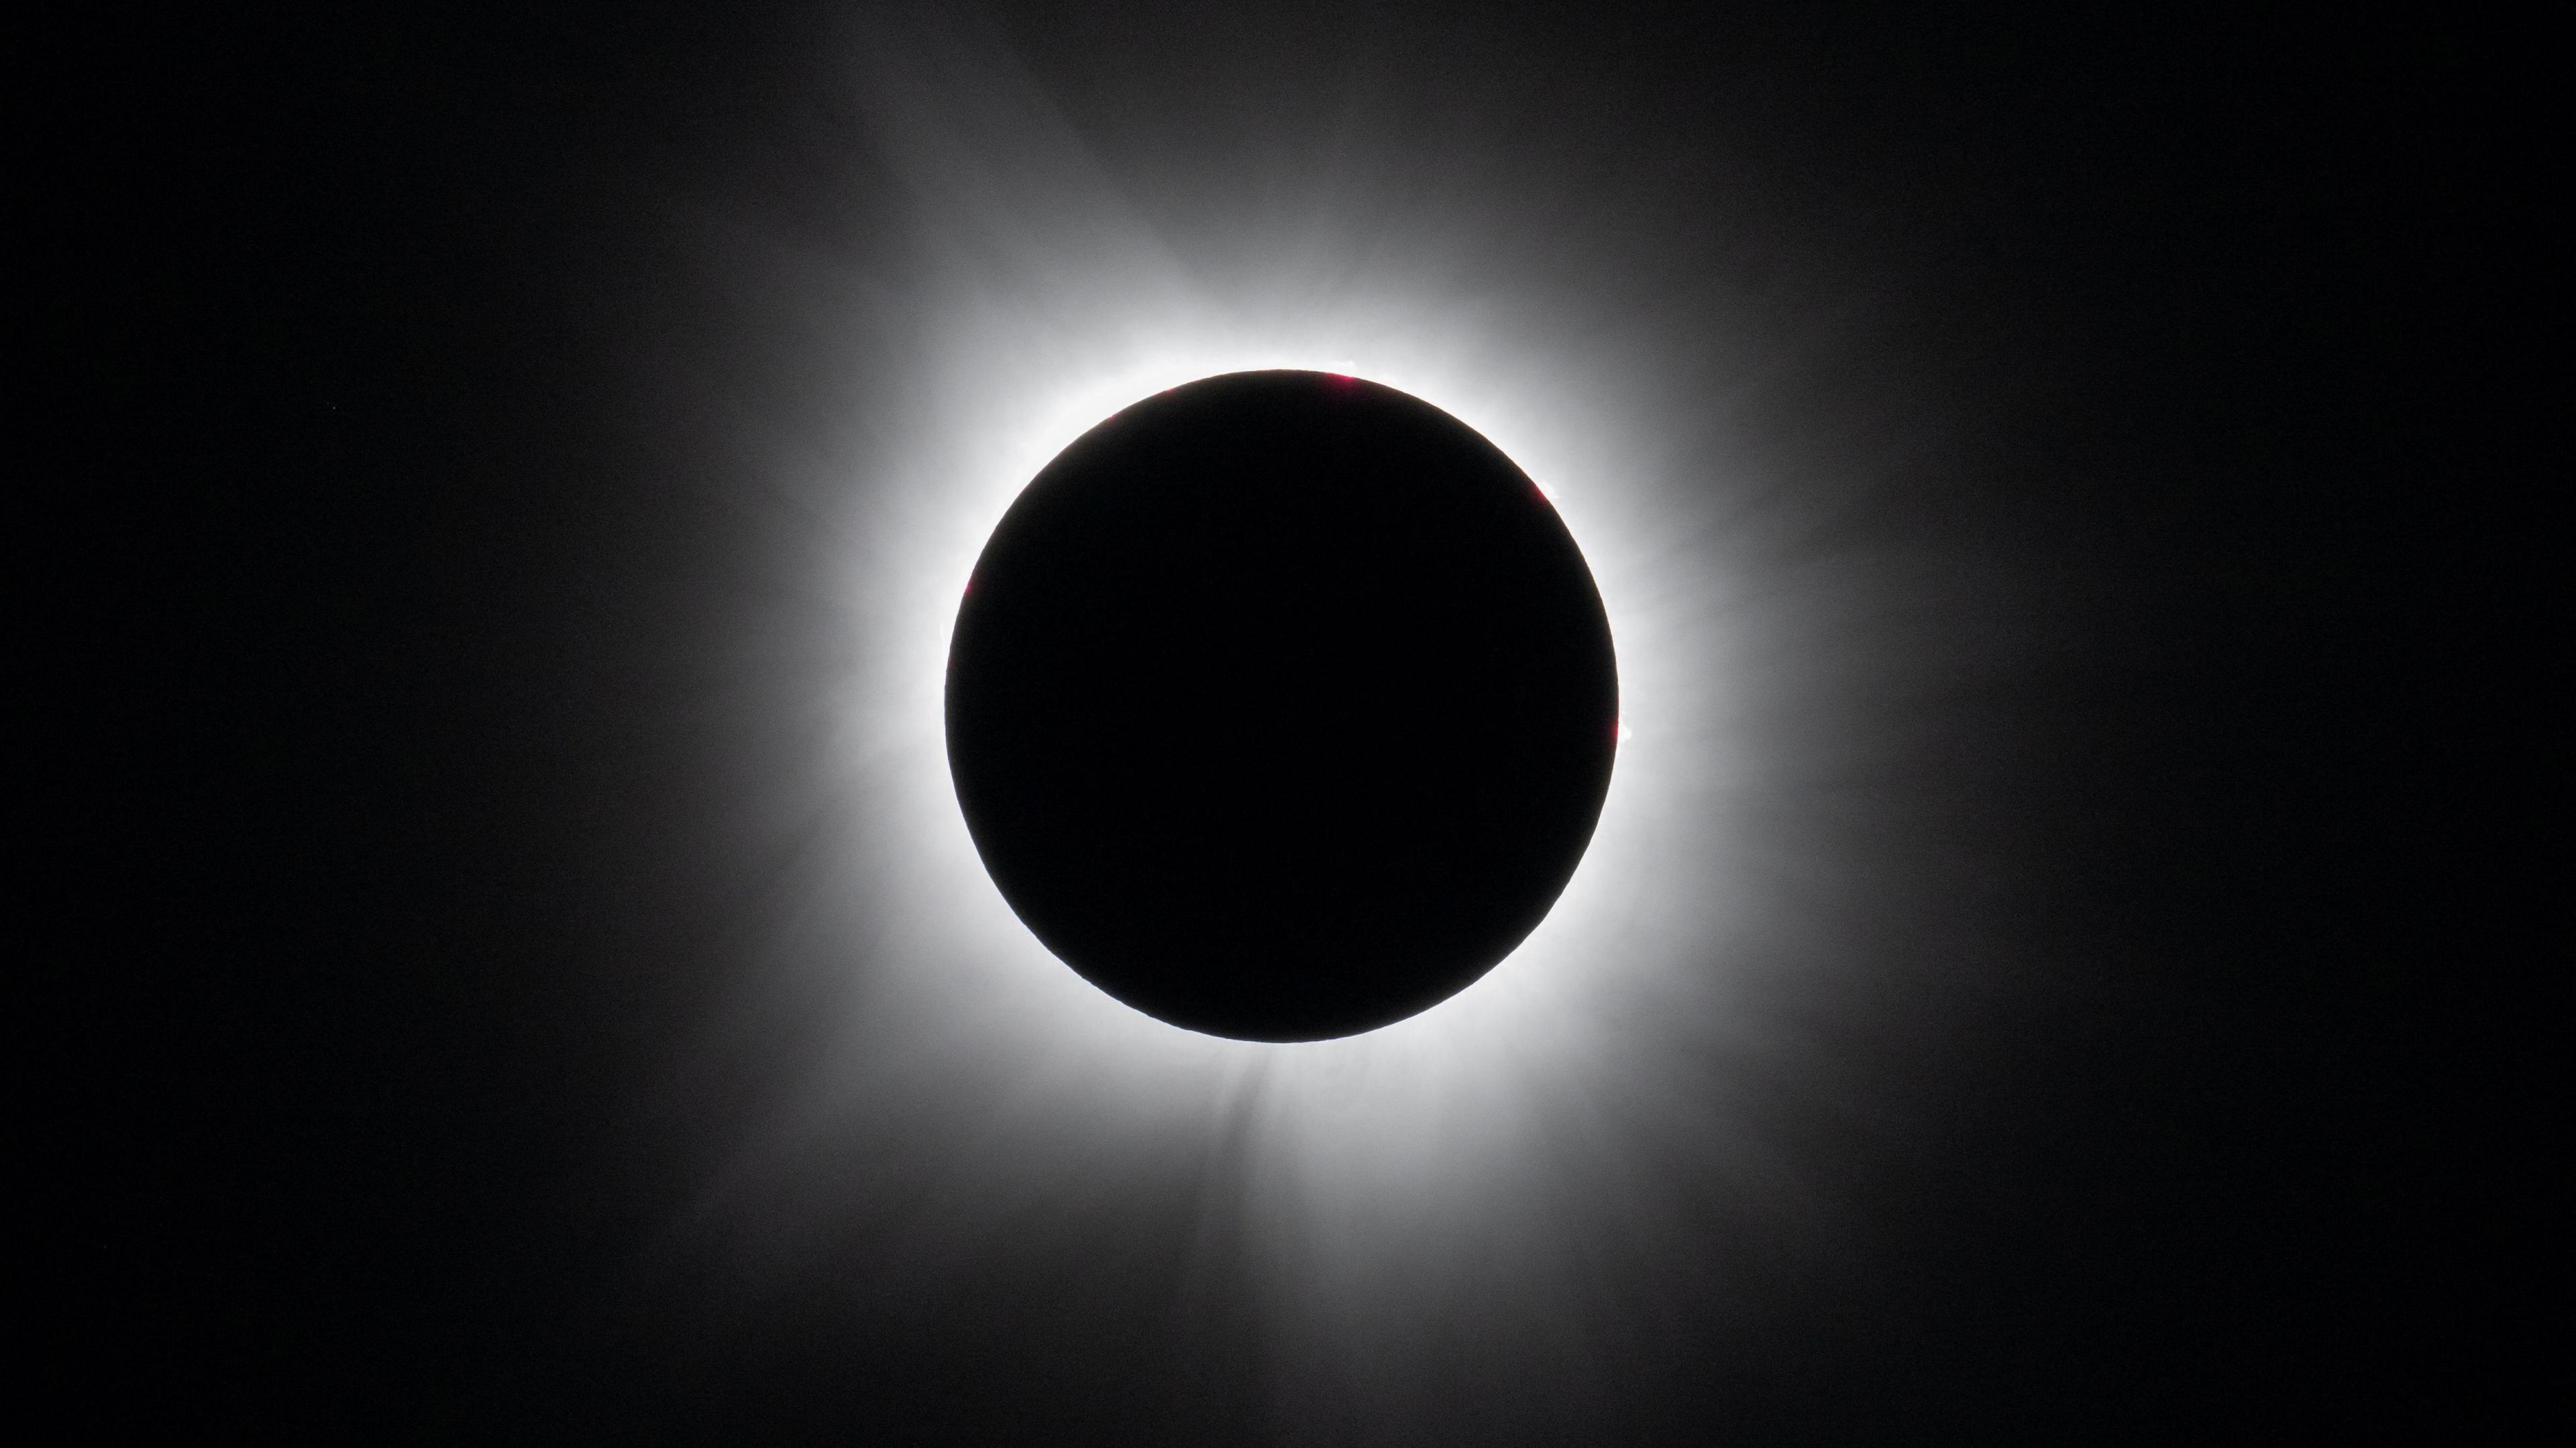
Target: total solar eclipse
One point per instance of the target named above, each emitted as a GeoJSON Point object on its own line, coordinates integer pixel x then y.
{"type": "Point", "coordinates": [1281, 706]}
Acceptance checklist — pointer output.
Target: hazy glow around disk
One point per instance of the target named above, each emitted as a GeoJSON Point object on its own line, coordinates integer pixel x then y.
{"type": "Point", "coordinates": [960, 1081]}
{"type": "Point", "coordinates": [1014, 401]}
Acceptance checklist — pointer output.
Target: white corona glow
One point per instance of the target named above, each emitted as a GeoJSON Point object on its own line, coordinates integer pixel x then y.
{"type": "Point", "coordinates": [962, 1081]}
{"type": "Point", "coordinates": [1440, 1090]}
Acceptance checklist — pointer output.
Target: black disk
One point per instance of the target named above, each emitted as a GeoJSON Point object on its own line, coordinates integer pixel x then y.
{"type": "Point", "coordinates": [1281, 706]}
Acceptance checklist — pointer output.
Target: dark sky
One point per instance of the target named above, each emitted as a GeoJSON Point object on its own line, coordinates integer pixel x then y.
{"type": "Point", "coordinates": [2082, 429]}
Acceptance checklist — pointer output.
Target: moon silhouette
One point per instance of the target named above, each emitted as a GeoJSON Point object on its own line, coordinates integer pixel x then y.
{"type": "Point", "coordinates": [1281, 706]}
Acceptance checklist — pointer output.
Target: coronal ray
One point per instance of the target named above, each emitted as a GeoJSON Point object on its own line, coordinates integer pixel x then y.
{"type": "Point", "coordinates": [1657, 1062]}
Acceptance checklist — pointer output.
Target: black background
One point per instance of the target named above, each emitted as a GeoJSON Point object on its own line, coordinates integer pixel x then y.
{"type": "Point", "coordinates": [390, 559]}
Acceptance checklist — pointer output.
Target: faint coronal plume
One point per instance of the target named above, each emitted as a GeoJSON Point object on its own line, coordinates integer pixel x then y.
{"type": "Point", "coordinates": [1649, 1112]}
